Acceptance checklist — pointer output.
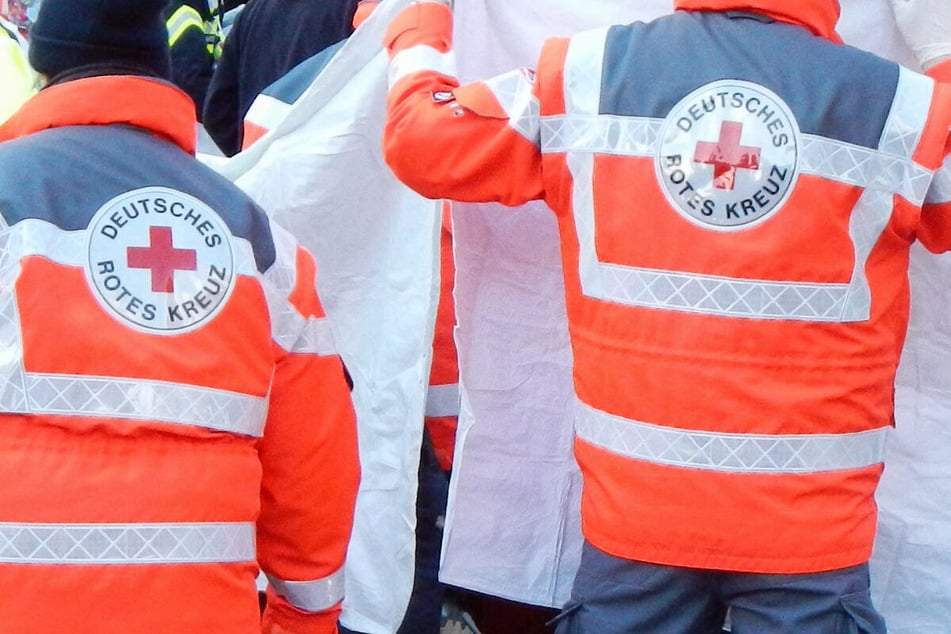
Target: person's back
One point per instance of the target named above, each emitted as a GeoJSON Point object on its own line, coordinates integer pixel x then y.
{"type": "Point", "coordinates": [268, 38]}
{"type": "Point", "coordinates": [736, 196]}
{"type": "Point", "coordinates": [174, 413]}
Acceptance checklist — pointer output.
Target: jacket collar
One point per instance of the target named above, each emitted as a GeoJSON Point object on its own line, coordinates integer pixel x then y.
{"type": "Point", "coordinates": [819, 16]}
{"type": "Point", "coordinates": [142, 102]}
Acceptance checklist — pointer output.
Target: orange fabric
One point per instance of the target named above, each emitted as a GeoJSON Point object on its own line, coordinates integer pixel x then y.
{"type": "Point", "coordinates": [941, 72]}
{"type": "Point", "coordinates": [428, 23]}
{"type": "Point", "coordinates": [81, 346]}
{"type": "Point", "coordinates": [682, 370]}
{"type": "Point", "coordinates": [934, 231]}
{"type": "Point", "coordinates": [664, 505]}
{"type": "Point", "coordinates": [252, 133]}
{"type": "Point", "coordinates": [364, 9]}
{"type": "Point", "coordinates": [504, 167]}
{"type": "Point", "coordinates": [156, 599]}
{"type": "Point", "coordinates": [445, 365]}
{"type": "Point", "coordinates": [819, 16]}
{"type": "Point", "coordinates": [137, 101]}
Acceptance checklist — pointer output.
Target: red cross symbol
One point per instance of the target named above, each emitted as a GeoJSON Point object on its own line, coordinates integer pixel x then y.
{"type": "Point", "coordinates": [727, 155]}
{"type": "Point", "coordinates": [162, 259]}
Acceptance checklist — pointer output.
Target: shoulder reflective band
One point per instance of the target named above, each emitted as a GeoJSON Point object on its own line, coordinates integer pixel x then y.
{"type": "Point", "coordinates": [513, 91]}
{"type": "Point", "coordinates": [735, 453]}
{"type": "Point", "coordinates": [98, 544]}
{"type": "Point", "coordinates": [884, 172]}
{"type": "Point", "coordinates": [311, 596]}
{"type": "Point", "coordinates": [291, 330]}
{"type": "Point", "coordinates": [940, 192]}
{"type": "Point", "coordinates": [184, 18]}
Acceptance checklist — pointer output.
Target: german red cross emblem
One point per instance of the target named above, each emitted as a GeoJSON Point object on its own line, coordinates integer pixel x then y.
{"type": "Point", "coordinates": [728, 155]}
{"type": "Point", "coordinates": [160, 260]}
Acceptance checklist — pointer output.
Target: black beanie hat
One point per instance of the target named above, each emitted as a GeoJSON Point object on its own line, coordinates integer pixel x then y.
{"type": "Point", "coordinates": [70, 34]}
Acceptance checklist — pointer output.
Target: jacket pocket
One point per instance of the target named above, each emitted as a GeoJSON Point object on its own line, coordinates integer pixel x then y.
{"type": "Point", "coordinates": [863, 618]}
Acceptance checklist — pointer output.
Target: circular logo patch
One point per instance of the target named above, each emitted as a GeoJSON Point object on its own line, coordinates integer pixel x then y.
{"type": "Point", "coordinates": [729, 155]}
{"type": "Point", "coordinates": [160, 260]}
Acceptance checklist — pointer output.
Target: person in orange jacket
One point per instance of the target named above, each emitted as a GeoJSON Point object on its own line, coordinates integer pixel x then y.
{"type": "Point", "coordinates": [737, 193]}
{"type": "Point", "coordinates": [174, 414]}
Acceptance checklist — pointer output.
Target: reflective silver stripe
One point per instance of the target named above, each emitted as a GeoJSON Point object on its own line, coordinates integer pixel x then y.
{"type": "Point", "coordinates": [99, 544]}
{"type": "Point", "coordinates": [316, 338]}
{"type": "Point", "coordinates": [12, 383]}
{"type": "Point", "coordinates": [724, 296]}
{"type": "Point", "coordinates": [183, 18]}
{"type": "Point", "coordinates": [582, 132]}
{"type": "Point", "coordinates": [601, 134]}
{"type": "Point", "coordinates": [291, 330]}
{"type": "Point", "coordinates": [874, 208]}
{"type": "Point", "coordinates": [38, 237]}
{"type": "Point", "coordinates": [267, 111]}
{"type": "Point", "coordinates": [420, 58]}
{"type": "Point", "coordinates": [513, 91]}
{"type": "Point", "coordinates": [139, 399]}
{"type": "Point", "coordinates": [442, 400]}
{"type": "Point", "coordinates": [735, 453]}
{"type": "Point", "coordinates": [864, 167]}
{"type": "Point", "coordinates": [311, 596]}
{"type": "Point", "coordinates": [909, 114]}
{"type": "Point", "coordinates": [830, 159]}
{"type": "Point", "coordinates": [940, 191]}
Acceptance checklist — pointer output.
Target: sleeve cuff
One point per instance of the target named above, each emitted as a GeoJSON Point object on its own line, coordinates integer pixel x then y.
{"type": "Point", "coordinates": [428, 23]}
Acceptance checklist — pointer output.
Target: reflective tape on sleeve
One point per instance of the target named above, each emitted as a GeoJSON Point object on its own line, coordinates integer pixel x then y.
{"type": "Point", "coordinates": [442, 400]}
{"type": "Point", "coordinates": [940, 192]}
{"type": "Point", "coordinates": [513, 91]}
{"type": "Point", "coordinates": [131, 544]}
{"type": "Point", "coordinates": [419, 59]}
{"type": "Point", "coordinates": [736, 453]}
{"type": "Point", "coordinates": [311, 596]}
{"type": "Point", "coordinates": [290, 329]}
{"type": "Point", "coordinates": [184, 18]}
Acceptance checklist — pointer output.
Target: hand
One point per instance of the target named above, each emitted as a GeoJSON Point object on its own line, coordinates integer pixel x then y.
{"type": "Point", "coordinates": [926, 27]}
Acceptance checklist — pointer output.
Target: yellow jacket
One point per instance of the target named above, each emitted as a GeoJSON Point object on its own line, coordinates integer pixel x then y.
{"type": "Point", "coordinates": [17, 79]}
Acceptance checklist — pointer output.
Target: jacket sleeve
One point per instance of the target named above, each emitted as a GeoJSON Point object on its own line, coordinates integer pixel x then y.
{"type": "Point", "coordinates": [479, 142]}
{"type": "Point", "coordinates": [192, 66]}
{"type": "Point", "coordinates": [309, 460]}
{"type": "Point", "coordinates": [220, 112]}
{"type": "Point", "coordinates": [935, 227]}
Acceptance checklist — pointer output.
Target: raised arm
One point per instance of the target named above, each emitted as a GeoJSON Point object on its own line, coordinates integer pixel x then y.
{"type": "Point", "coordinates": [478, 142]}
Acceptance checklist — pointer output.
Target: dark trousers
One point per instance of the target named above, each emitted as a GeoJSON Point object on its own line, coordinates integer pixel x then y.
{"type": "Point", "coordinates": [618, 596]}
{"type": "Point", "coordinates": [424, 613]}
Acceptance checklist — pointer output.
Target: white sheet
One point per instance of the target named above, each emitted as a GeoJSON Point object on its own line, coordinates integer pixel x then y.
{"type": "Point", "coordinates": [320, 173]}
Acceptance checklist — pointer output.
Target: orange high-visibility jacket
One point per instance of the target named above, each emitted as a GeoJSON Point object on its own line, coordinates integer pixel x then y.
{"type": "Point", "coordinates": [173, 411]}
{"type": "Point", "coordinates": [736, 196]}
